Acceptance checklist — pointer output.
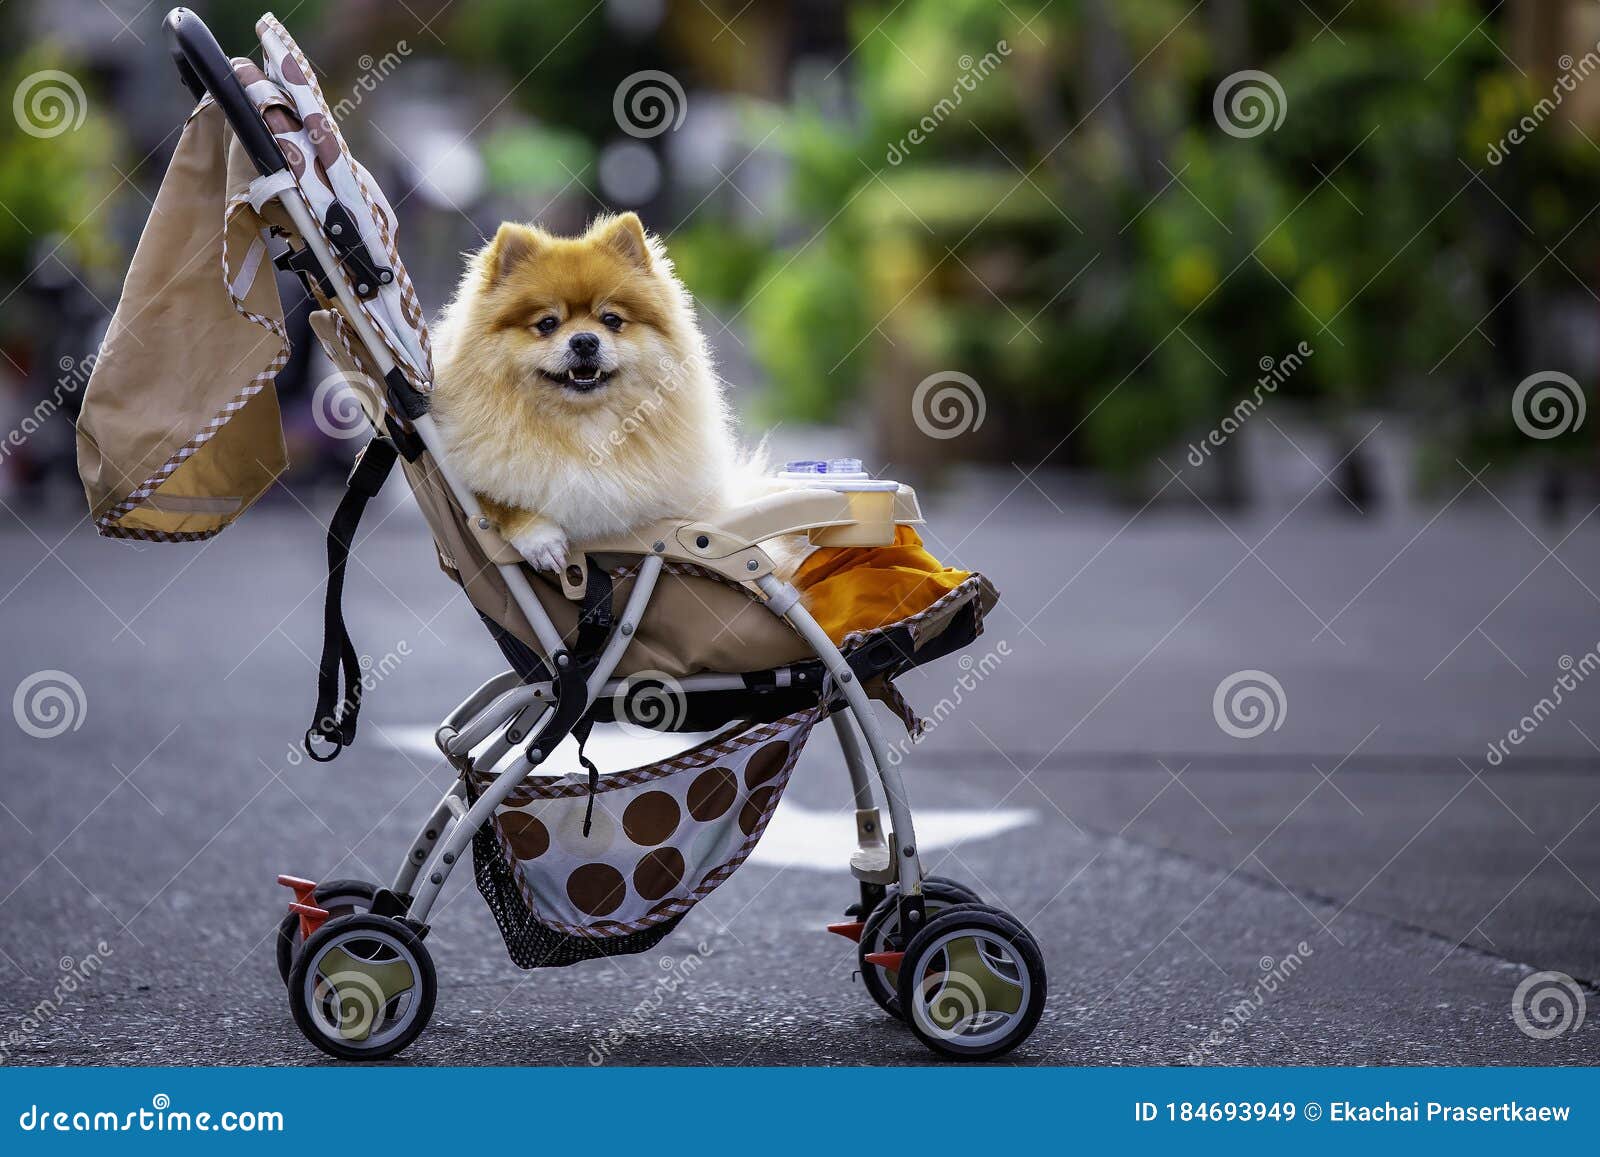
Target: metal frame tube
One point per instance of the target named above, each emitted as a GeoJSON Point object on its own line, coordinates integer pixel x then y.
{"type": "Point", "coordinates": [427, 836]}
{"type": "Point", "coordinates": [644, 585]}
{"type": "Point", "coordinates": [690, 683]}
{"type": "Point", "coordinates": [487, 693]}
{"type": "Point", "coordinates": [495, 715]}
{"type": "Point", "coordinates": [781, 594]}
{"type": "Point", "coordinates": [452, 808]}
{"type": "Point", "coordinates": [855, 760]}
{"type": "Point", "coordinates": [516, 730]}
{"type": "Point", "coordinates": [460, 835]}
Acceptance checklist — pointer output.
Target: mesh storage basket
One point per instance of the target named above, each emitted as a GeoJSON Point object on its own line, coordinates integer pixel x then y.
{"type": "Point", "coordinates": [661, 838]}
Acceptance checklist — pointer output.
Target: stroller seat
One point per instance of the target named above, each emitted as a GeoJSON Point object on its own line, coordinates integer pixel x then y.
{"type": "Point", "coordinates": [707, 629]}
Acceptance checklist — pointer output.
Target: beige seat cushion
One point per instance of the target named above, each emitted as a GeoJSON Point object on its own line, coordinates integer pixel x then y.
{"type": "Point", "coordinates": [694, 622]}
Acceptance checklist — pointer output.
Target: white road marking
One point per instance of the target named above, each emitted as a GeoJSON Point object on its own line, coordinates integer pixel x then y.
{"type": "Point", "coordinates": [609, 747]}
{"type": "Point", "coordinates": [797, 836]}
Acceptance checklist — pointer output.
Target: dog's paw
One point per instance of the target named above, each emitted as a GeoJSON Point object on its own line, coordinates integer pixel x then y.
{"type": "Point", "coordinates": [544, 547]}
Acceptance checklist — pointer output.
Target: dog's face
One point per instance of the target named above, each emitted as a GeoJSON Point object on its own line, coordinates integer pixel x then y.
{"type": "Point", "coordinates": [577, 322]}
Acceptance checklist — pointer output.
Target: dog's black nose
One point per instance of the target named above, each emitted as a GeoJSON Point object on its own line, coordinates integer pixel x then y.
{"type": "Point", "coordinates": [585, 345]}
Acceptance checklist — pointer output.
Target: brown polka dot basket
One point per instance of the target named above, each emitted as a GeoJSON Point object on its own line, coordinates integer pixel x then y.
{"type": "Point", "coordinates": [660, 838]}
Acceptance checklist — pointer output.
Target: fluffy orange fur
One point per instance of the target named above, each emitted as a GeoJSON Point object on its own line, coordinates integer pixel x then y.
{"type": "Point", "coordinates": [575, 391]}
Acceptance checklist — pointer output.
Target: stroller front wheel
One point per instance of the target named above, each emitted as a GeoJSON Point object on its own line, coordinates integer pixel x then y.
{"type": "Point", "coordinates": [972, 983]}
{"type": "Point", "coordinates": [362, 987]}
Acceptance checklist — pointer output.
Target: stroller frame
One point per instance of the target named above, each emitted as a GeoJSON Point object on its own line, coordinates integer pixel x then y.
{"type": "Point", "coordinates": [522, 721]}
{"type": "Point", "coordinates": [873, 862]}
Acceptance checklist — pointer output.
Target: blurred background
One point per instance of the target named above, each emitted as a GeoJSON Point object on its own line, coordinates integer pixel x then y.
{"type": "Point", "coordinates": [1240, 343]}
{"type": "Point", "coordinates": [1321, 196]}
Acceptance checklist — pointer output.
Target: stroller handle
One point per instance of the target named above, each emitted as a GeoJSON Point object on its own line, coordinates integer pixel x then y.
{"type": "Point", "coordinates": [204, 68]}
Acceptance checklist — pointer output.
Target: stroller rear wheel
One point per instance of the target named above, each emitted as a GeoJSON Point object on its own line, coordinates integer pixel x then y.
{"type": "Point", "coordinates": [950, 886]}
{"type": "Point", "coordinates": [362, 987]}
{"type": "Point", "coordinates": [938, 894]}
{"type": "Point", "coordinates": [972, 983]}
{"type": "Point", "coordinates": [340, 898]}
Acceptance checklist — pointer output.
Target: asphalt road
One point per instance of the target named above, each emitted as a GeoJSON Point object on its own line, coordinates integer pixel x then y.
{"type": "Point", "coordinates": [1161, 861]}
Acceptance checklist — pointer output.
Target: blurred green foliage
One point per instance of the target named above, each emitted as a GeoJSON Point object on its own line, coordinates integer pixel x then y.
{"type": "Point", "coordinates": [51, 183]}
{"type": "Point", "coordinates": [533, 160]}
{"type": "Point", "coordinates": [557, 63]}
{"type": "Point", "coordinates": [1078, 231]}
{"type": "Point", "coordinates": [1039, 194]}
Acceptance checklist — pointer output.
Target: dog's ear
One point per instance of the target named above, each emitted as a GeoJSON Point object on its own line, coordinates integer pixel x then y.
{"type": "Point", "coordinates": [624, 234]}
{"type": "Point", "coordinates": [512, 245]}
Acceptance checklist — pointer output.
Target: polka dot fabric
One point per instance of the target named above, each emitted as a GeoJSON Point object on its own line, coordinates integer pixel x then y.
{"type": "Point", "coordinates": [662, 836]}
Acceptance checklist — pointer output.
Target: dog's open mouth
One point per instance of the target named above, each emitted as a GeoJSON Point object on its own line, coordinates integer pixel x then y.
{"type": "Point", "coordinates": [581, 378]}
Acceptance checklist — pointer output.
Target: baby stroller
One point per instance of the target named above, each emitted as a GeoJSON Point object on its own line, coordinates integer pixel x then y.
{"type": "Point", "coordinates": [680, 626]}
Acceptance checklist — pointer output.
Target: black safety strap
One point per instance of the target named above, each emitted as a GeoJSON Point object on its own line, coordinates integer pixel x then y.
{"type": "Point", "coordinates": [594, 627]}
{"type": "Point", "coordinates": [335, 719]}
{"type": "Point", "coordinates": [594, 618]}
{"type": "Point", "coordinates": [581, 731]}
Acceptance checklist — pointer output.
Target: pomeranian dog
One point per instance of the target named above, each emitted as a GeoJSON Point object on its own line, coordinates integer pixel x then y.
{"type": "Point", "coordinates": [575, 392]}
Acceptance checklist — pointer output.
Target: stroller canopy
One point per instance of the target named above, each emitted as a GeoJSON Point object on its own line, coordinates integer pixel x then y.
{"type": "Point", "coordinates": [180, 429]}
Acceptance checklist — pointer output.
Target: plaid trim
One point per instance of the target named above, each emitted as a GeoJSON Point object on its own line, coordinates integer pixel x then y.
{"type": "Point", "coordinates": [354, 350]}
{"type": "Point", "coordinates": [683, 569]}
{"type": "Point", "coordinates": [410, 305]}
{"type": "Point", "coordinates": [577, 783]}
{"type": "Point", "coordinates": [972, 589]}
{"type": "Point", "coordinates": [896, 701]}
{"type": "Point", "coordinates": [107, 523]}
{"type": "Point", "coordinates": [112, 531]}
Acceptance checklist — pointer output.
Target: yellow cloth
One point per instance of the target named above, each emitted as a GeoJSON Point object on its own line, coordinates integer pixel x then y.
{"type": "Point", "coordinates": [861, 587]}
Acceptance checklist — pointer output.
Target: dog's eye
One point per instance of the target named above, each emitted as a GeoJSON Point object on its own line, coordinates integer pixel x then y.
{"type": "Point", "coordinates": [546, 325]}
{"type": "Point", "coordinates": [611, 320]}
